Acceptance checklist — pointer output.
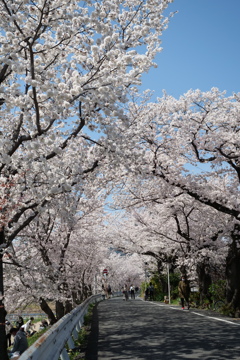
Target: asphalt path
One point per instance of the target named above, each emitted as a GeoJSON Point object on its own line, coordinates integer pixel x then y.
{"type": "Point", "coordinates": [137, 329]}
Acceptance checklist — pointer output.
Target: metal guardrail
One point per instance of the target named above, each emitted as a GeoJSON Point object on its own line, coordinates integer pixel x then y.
{"type": "Point", "coordinates": [51, 345]}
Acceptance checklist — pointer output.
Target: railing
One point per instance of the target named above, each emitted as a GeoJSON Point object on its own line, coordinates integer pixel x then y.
{"type": "Point", "coordinates": [26, 316]}
{"type": "Point", "coordinates": [51, 345]}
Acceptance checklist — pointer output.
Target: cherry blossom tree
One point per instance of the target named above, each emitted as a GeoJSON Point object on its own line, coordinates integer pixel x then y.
{"type": "Point", "coordinates": [191, 144]}
{"type": "Point", "coordinates": [66, 66]}
{"type": "Point", "coordinates": [123, 269]}
{"type": "Point", "coordinates": [57, 259]}
{"type": "Point", "coordinates": [7, 208]}
{"type": "Point", "coordinates": [171, 227]}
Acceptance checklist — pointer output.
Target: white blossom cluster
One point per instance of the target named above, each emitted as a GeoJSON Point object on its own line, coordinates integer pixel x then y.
{"type": "Point", "coordinates": [66, 69]}
{"type": "Point", "coordinates": [180, 181]}
{"type": "Point", "coordinates": [75, 136]}
{"type": "Point", "coordinates": [65, 66]}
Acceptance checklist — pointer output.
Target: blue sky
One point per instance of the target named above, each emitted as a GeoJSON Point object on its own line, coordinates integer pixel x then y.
{"type": "Point", "coordinates": [201, 49]}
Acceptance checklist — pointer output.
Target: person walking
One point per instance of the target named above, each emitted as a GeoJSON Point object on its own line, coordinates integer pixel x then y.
{"type": "Point", "coordinates": [103, 293]}
{"type": "Point", "coordinates": [184, 291]}
{"type": "Point", "coordinates": [151, 291]}
{"type": "Point", "coordinates": [132, 292]}
{"type": "Point", "coordinates": [109, 291]}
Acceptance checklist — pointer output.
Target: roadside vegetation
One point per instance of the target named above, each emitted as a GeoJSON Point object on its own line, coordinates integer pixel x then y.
{"type": "Point", "coordinates": [214, 299]}
{"type": "Point", "coordinates": [81, 343]}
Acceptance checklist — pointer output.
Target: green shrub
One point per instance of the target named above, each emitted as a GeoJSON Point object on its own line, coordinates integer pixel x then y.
{"type": "Point", "coordinates": [83, 335]}
{"type": "Point", "coordinates": [227, 310]}
{"type": "Point", "coordinates": [160, 283]}
{"type": "Point", "coordinates": [218, 290]}
{"type": "Point", "coordinates": [195, 298]}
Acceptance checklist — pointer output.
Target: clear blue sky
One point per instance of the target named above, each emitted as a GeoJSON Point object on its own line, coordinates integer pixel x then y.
{"type": "Point", "coordinates": [201, 49]}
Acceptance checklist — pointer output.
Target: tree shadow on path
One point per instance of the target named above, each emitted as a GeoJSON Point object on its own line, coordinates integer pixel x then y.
{"type": "Point", "coordinates": [141, 330]}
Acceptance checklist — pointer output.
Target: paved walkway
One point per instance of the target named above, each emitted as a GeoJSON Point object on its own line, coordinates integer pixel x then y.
{"type": "Point", "coordinates": [143, 330]}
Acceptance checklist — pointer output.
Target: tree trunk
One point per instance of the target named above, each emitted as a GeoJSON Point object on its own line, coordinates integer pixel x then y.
{"type": "Point", "coordinates": [59, 309]}
{"type": "Point", "coordinates": [161, 276]}
{"type": "Point", "coordinates": [75, 298]}
{"type": "Point", "coordinates": [80, 296]}
{"type": "Point", "coordinates": [204, 281]}
{"type": "Point", "coordinates": [3, 338]}
{"type": "Point", "coordinates": [44, 306]}
{"type": "Point", "coordinates": [183, 270]}
{"type": "Point", "coordinates": [232, 276]}
{"type": "Point", "coordinates": [68, 307]}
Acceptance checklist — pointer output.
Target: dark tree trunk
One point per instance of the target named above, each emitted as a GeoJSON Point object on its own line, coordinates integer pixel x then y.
{"type": "Point", "coordinates": [160, 266]}
{"type": "Point", "coordinates": [204, 281]}
{"type": "Point", "coordinates": [68, 307]}
{"type": "Point", "coordinates": [183, 270]}
{"type": "Point", "coordinates": [60, 311]}
{"type": "Point", "coordinates": [164, 284]}
{"type": "Point", "coordinates": [80, 296]}
{"type": "Point", "coordinates": [75, 297]}
{"type": "Point", "coordinates": [162, 278]}
{"type": "Point", "coordinates": [232, 275]}
{"type": "Point", "coordinates": [3, 338]}
{"type": "Point", "coordinates": [44, 306]}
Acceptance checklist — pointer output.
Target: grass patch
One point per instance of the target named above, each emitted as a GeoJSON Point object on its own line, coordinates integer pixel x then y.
{"type": "Point", "coordinates": [81, 343]}
{"type": "Point", "coordinates": [174, 302]}
{"type": "Point", "coordinates": [35, 336]}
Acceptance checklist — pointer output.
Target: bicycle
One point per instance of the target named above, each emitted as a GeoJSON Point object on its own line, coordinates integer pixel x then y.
{"type": "Point", "coordinates": [218, 304]}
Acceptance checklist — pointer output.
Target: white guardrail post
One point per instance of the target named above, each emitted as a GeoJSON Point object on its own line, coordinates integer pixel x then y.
{"type": "Point", "coordinates": [51, 345]}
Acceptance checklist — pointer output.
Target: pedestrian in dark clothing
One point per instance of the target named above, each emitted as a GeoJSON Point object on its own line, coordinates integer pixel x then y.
{"type": "Point", "coordinates": [184, 291]}
{"type": "Point", "coordinates": [151, 291]}
{"type": "Point", "coordinates": [132, 292]}
{"type": "Point", "coordinates": [103, 294]}
{"type": "Point", "coordinates": [20, 343]}
{"type": "Point", "coordinates": [109, 291]}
